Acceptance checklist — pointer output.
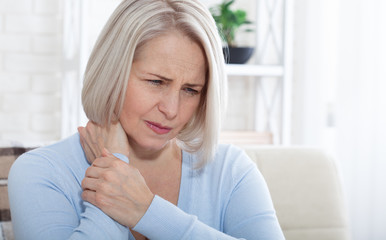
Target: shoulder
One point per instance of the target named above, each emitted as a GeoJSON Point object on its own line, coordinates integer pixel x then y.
{"type": "Point", "coordinates": [229, 152]}
{"type": "Point", "coordinates": [48, 160]}
{"type": "Point", "coordinates": [233, 157]}
{"type": "Point", "coordinates": [231, 163]}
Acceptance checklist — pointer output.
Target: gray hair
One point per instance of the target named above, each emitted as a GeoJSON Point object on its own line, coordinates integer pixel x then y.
{"type": "Point", "coordinates": [131, 25]}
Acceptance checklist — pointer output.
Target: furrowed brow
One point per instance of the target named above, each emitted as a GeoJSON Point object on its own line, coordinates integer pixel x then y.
{"type": "Point", "coordinates": [170, 80]}
{"type": "Point", "coordinates": [193, 85]}
{"type": "Point", "coordinates": [161, 77]}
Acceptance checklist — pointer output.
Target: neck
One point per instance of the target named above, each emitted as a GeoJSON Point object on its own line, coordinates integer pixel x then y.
{"type": "Point", "coordinates": [140, 156]}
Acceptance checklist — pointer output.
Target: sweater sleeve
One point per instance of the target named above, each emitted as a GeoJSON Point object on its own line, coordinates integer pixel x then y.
{"type": "Point", "coordinates": [163, 220]}
{"type": "Point", "coordinates": [43, 207]}
{"type": "Point", "coordinates": [248, 212]}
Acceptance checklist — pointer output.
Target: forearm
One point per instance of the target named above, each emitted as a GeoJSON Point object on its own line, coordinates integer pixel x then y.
{"type": "Point", "coordinates": [45, 205]}
{"type": "Point", "coordinates": [94, 224]}
{"type": "Point", "coordinates": [248, 213]}
{"type": "Point", "coordinates": [164, 220]}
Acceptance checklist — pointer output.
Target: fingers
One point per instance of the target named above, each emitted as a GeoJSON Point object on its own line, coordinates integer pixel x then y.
{"type": "Point", "coordinates": [89, 196]}
{"type": "Point", "coordinates": [106, 153]}
{"type": "Point", "coordinates": [92, 142]}
{"type": "Point", "coordinates": [107, 162]}
{"type": "Point", "coordinates": [86, 147]}
{"type": "Point", "coordinates": [90, 183]}
{"type": "Point", "coordinates": [97, 199]}
{"type": "Point", "coordinates": [100, 180]}
{"type": "Point", "coordinates": [93, 139]}
{"type": "Point", "coordinates": [100, 200]}
{"type": "Point", "coordinates": [94, 172]}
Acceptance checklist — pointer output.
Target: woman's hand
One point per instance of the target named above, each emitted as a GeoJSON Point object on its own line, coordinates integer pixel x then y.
{"type": "Point", "coordinates": [117, 188]}
{"type": "Point", "coordinates": [95, 138]}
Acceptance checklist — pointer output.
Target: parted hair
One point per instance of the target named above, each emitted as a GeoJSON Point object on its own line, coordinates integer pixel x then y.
{"type": "Point", "coordinates": [132, 24]}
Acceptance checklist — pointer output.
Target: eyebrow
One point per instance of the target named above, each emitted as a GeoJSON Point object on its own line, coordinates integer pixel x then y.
{"type": "Point", "coordinates": [170, 80]}
{"type": "Point", "coordinates": [161, 77]}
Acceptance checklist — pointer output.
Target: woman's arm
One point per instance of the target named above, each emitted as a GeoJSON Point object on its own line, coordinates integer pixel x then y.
{"type": "Point", "coordinates": [120, 191]}
{"type": "Point", "coordinates": [249, 214]}
{"type": "Point", "coordinates": [43, 205]}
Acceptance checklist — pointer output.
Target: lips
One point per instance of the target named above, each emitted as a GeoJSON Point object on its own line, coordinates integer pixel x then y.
{"type": "Point", "coordinates": [158, 128]}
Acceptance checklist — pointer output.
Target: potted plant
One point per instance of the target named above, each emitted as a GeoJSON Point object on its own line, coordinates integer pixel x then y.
{"type": "Point", "coordinates": [228, 22]}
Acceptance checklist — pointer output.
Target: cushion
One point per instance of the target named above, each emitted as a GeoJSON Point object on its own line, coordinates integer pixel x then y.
{"type": "Point", "coordinates": [306, 191]}
{"type": "Point", "coordinates": [7, 156]}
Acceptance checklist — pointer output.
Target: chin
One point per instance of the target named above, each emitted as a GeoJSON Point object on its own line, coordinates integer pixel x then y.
{"type": "Point", "coordinates": [152, 144]}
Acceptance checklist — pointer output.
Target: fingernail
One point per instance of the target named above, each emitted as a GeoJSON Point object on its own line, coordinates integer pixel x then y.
{"type": "Point", "coordinates": [107, 151]}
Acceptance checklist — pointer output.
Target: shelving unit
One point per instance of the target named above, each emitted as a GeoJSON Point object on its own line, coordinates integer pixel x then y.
{"type": "Point", "coordinates": [254, 70]}
{"type": "Point", "coordinates": [272, 65]}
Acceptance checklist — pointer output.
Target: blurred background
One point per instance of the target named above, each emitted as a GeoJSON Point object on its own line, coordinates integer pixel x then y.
{"type": "Point", "coordinates": [317, 78]}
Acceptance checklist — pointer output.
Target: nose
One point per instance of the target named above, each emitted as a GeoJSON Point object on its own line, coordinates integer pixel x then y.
{"type": "Point", "coordinates": [169, 104]}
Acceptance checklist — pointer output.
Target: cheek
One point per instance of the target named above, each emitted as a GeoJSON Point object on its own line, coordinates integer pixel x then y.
{"type": "Point", "coordinates": [189, 110]}
{"type": "Point", "coordinates": [129, 110]}
{"type": "Point", "coordinates": [125, 119]}
{"type": "Point", "coordinates": [136, 99]}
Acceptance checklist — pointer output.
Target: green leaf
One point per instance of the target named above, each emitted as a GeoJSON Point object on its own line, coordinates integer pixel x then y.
{"type": "Point", "coordinates": [227, 4]}
{"type": "Point", "coordinates": [229, 21]}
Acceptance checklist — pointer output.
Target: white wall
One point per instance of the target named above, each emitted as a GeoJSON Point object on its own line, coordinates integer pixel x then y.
{"type": "Point", "coordinates": [32, 78]}
{"type": "Point", "coordinates": [30, 70]}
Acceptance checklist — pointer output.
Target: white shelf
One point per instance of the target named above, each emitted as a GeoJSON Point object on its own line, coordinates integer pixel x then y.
{"type": "Point", "coordinates": [254, 70]}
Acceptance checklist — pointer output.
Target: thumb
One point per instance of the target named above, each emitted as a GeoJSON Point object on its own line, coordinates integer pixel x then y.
{"type": "Point", "coordinates": [106, 153]}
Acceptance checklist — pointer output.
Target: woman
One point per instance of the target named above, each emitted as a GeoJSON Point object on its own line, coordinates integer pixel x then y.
{"type": "Point", "coordinates": [154, 90]}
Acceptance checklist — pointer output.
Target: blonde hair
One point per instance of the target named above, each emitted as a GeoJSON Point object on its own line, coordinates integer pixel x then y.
{"type": "Point", "coordinates": [132, 24]}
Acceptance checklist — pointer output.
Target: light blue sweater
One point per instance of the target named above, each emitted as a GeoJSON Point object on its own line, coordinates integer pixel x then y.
{"type": "Point", "coordinates": [227, 199]}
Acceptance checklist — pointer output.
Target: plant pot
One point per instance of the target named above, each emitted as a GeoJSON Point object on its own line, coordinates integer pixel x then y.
{"type": "Point", "coordinates": [237, 55]}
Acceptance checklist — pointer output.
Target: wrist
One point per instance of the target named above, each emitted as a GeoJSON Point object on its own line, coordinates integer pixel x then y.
{"type": "Point", "coordinates": [143, 210]}
{"type": "Point", "coordinates": [121, 156]}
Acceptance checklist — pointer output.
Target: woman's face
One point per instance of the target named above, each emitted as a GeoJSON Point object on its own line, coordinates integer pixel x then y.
{"type": "Point", "coordinates": [164, 90]}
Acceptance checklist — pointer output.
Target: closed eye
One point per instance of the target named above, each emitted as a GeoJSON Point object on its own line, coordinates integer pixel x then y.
{"type": "Point", "coordinates": [191, 91]}
{"type": "Point", "coordinates": [155, 82]}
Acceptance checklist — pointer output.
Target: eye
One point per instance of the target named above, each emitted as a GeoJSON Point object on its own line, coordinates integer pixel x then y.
{"type": "Point", "coordinates": [155, 82]}
{"type": "Point", "coordinates": [191, 91]}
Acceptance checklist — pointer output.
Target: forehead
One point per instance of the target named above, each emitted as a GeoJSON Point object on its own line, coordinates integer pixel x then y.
{"type": "Point", "coordinates": [172, 44]}
{"type": "Point", "coordinates": [173, 50]}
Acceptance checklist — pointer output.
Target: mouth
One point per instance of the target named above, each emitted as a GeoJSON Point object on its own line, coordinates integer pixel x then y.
{"type": "Point", "coordinates": [158, 128]}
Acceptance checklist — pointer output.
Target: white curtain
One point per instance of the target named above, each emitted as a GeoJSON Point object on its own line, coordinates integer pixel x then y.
{"type": "Point", "coordinates": [340, 99]}
{"type": "Point", "coordinates": [361, 114]}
